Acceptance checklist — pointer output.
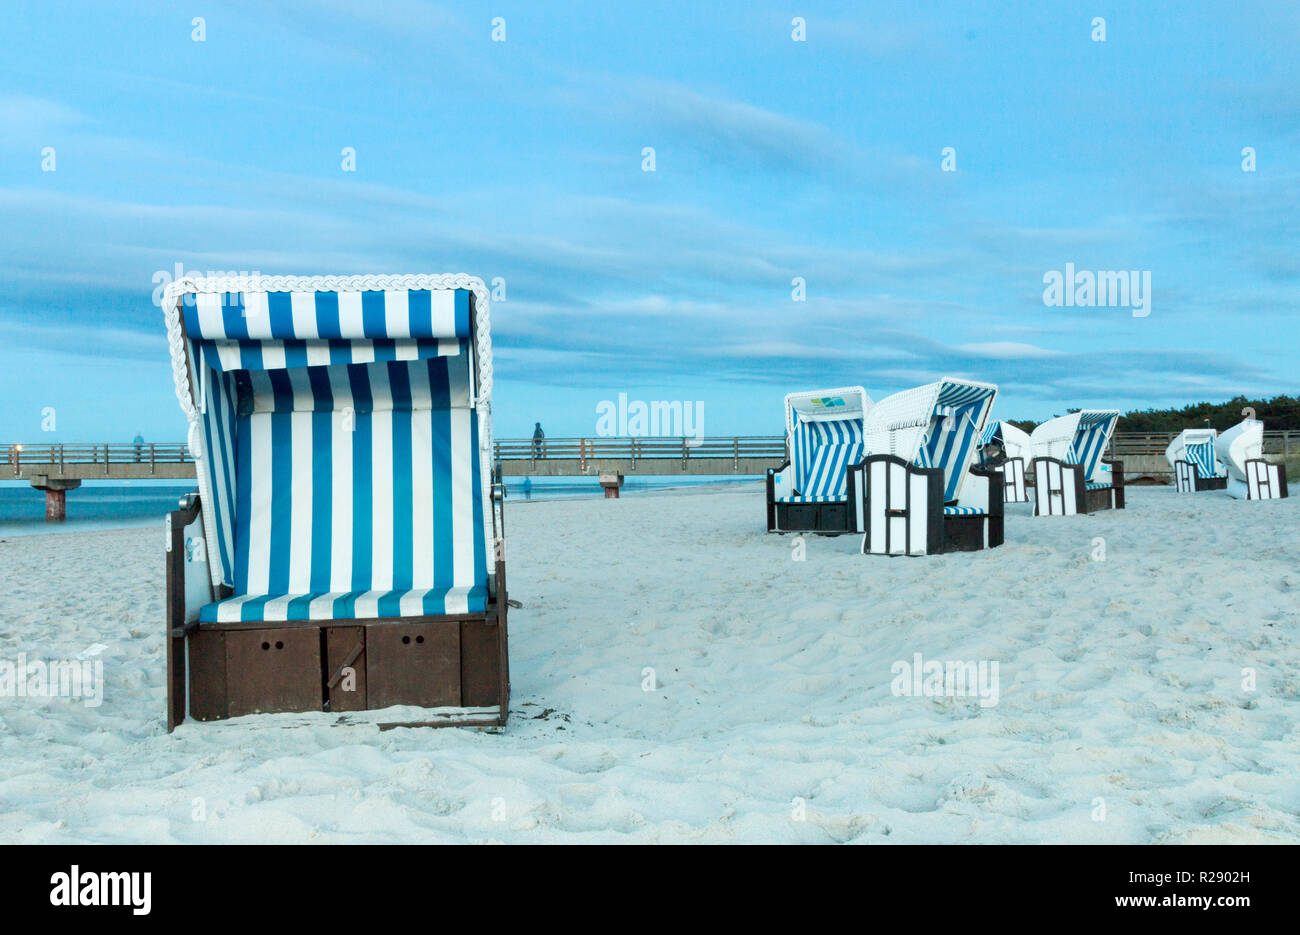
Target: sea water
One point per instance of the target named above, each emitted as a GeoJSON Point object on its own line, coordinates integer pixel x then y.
{"type": "Point", "coordinates": [118, 504]}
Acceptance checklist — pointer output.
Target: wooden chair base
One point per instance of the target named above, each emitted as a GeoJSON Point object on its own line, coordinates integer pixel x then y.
{"type": "Point", "coordinates": [348, 665]}
{"type": "Point", "coordinates": [1097, 500]}
{"type": "Point", "coordinates": [1188, 478]}
{"type": "Point", "coordinates": [968, 533]}
{"type": "Point", "coordinates": [826, 518]}
{"type": "Point", "coordinates": [903, 511]}
{"type": "Point", "coordinates": [830, 519]}
{"type": "Point", "coordinates": [1265, 480]}
{"type": "Point", "coordinates": [1060, 489]}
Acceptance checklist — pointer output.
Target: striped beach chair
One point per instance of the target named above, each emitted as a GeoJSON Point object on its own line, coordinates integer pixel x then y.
{"type": "Point", "coordinates": [1191, 456]}
{"type": "Point", "coordinates": [1250, 475]}
{"type": "Point", "coordinates": [809, 491]}
{"type": "Point", "coordinates": [916, 490]}
{"type": "Point", "coordinates": [1070, 474]}
{"type": "Point", "coordinates": [345, 548]}
{"type": "Point", "coordinates": [1005, 446]}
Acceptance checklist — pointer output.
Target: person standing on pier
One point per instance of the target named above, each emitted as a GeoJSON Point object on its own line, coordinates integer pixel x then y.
{"type": "Point", "coordinates": [138, 441]}
{"type": "Point", "coordinates": [538, 438]}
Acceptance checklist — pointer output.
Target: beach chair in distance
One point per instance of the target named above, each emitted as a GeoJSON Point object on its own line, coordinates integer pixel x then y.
{"type": "Point", "coordinates": [809, 492]}
{"type": "Point", "coordinates": [1005, 446]}
{"type": "Point", "coordinates": [1070, 474]}
{"type": "Point", "coordinates": [916, 492]}
{"type": "Point", "coordinates": [1250, 476]}
{"type": "Point", "coordinates": [1191, 455]}
{"type": "Point", "coordinates": [345, 550]}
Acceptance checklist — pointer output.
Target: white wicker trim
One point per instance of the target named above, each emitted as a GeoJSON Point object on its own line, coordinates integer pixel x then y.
{"type": "Point", "coordinates": [377, 282]}
{"type": "Point", "coordinates": [904, 411]}
{"type": "Point", "coordinates": [855, 391]}
{"type": "Point", "coordinates": [1053, 438]}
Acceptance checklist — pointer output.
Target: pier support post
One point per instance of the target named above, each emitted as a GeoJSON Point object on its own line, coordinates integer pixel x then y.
{"type": "Point", "coordinates": [56, 495]}
{"type": "Point", "coordinates": [56, 505]}
{"type": "Point", "coordinates": [611, 483]}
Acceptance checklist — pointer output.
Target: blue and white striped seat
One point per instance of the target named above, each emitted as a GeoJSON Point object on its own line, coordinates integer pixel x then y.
{"type": "Point", "coordinates": [355, 493]}
{"type": "Point", "coordinates": [822, 453]}
{"type": "Point", "coordinates": [963, 511]}
{"type": "Point", "coordinates": [347, 605]}
{"type": "Point", "coordinates": [1202, 455]}
{"type": "Point", "coordinates": [1098, 485]}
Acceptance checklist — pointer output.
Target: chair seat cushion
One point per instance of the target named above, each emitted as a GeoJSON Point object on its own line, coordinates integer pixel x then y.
{"type": "Point", "coordinates": [796, 498]}
{"type": "Point", "coordinates": [1095, 485]}
{"type": "Point", "coordinates": [346, 605]}
{"type": "Point", "coordinates": [963, 511]}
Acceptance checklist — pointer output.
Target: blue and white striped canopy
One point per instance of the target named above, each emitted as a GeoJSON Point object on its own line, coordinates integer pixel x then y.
{"type": "Point", "coordinates": [958, 416]}
{"type": "Point", "coordinates": [268, 316]}
{"type": "Point", "coordinates": [339, 450]}
{"type": "Point", "coordinates": [1091, 436]}
{"type": "Point", "coordinates": [276, 330]}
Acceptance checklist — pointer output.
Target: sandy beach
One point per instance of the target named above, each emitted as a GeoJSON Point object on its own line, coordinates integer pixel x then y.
{"type": "Point", "coordinates": [1121, 714]}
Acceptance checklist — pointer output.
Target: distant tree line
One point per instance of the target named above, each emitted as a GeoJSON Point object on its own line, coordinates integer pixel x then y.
{"type": "Point", "coordinates": [1281, 413]}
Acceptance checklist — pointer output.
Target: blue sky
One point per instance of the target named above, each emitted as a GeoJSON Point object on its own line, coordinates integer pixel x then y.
{"type": "Point", "coordinates": [774, 159]}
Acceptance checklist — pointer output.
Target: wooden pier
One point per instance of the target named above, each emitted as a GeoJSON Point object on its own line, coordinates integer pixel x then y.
{"type": "Point", "coordinates": [57, 469]}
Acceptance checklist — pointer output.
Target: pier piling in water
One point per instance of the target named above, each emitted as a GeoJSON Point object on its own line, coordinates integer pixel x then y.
{"type": "Point", "coordinates": [56, 495]}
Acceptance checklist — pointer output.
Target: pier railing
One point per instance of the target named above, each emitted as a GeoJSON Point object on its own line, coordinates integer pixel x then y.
{"type": "Point", "coordinates": [741, 454]}
{"type": "Point", "coordinates": [87, 461]}
{"type": "Point", "coordinates": [751, 446]}
{"type": "Point", "coordinates": [752, 454]}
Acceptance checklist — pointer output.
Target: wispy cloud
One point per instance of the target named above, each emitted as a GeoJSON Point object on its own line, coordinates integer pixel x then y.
{"type": "Point", "coordinates": [23, 117]}
{"type": "Point", "coordinates": [735, 133]}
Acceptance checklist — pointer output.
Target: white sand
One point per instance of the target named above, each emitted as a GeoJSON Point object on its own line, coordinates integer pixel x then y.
{"type": "Point", "coordinates": [1120, 680]}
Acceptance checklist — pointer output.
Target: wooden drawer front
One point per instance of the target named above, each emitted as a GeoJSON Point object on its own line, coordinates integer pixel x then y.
{"type": "Point", "coordinates": [345, 654]}
{"type": "Point", "coordinates": [833, 517]}
{"type": "Point", "coordinates": [413, 664]}
{"type": "Point", "coordinates": [480, 655]}
{"type": "Point", "coordinates": [207, 665]}
{"type": "Point", "coordinates": [800, 516]}
{"type": "Point", "coordinates": [273, 670]}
